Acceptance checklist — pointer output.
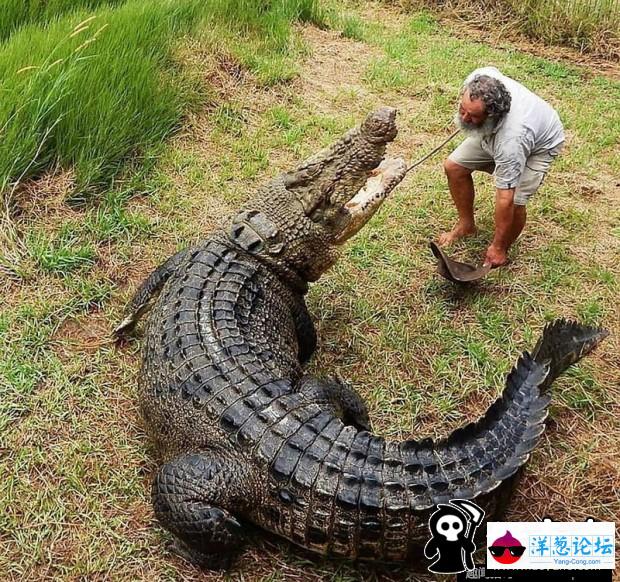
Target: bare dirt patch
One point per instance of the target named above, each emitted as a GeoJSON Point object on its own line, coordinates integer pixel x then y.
{"type": "Point", "coordinates": [332, 78]}
{"type": "Point", "coordinates": [334, 65]}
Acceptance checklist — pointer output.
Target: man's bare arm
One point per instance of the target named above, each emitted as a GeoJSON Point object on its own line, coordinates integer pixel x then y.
{"type": "Point", "coordinates": [504, 214]}
{"type": "Point", "coordinates": [504, 217]}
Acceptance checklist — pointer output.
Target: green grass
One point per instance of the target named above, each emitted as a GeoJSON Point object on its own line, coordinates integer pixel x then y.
{"type": "Point", "coordinates": [428, 357]}
{"type": "Point", "coordinates": [62, 255]}
{"type": "Point", "coordinates": [123, 54]}
{"type": "Point", "coordinates": [350, 25]}
{"type": "Point", "coordinates": [118, 55]}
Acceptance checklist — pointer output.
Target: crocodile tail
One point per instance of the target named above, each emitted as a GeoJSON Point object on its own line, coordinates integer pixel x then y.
{"type": "Point", "coordinates": [482, 460]}
{"type": "Point", "coordinates": [563, 343]}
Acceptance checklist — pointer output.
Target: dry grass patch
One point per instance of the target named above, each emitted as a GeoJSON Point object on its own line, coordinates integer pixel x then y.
{"type": "Point", "coordinates": [574, 30]}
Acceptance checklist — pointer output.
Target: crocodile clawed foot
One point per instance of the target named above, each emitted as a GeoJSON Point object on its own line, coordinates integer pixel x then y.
{"type": "Point", "coordinates": [125, 327]}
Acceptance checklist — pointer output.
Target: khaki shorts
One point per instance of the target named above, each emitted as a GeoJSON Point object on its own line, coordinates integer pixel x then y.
{"type": "Point", "coordinates": [470, 154]}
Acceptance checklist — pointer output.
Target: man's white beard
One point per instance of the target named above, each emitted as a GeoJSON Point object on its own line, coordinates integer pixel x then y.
{"type": "Point", "coordinates": [471, 130]}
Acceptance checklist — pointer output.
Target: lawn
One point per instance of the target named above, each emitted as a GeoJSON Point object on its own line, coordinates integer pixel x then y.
{"type": "Point", "coordinates": [428, 357]}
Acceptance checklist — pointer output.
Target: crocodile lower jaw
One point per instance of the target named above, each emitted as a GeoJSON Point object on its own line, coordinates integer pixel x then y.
{"type": "Point", "coordinates": [366, 202]}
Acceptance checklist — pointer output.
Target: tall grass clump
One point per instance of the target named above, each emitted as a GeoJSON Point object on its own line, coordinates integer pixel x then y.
{"type": "Point", "coordinates": [270, 18]}
{"type": "Point", "coordinates": [16, 13]}
{"type": "Point", "coordinates": [86, 92]}
{"type": "Point", "coordinates": [586, 25]}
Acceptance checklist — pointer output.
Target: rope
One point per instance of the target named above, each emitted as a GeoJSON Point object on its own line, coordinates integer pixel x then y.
{"type": "Point", "coordinates": [443, 143]}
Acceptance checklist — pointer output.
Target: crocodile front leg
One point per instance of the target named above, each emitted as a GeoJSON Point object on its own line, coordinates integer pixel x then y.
{"type": "Point", "coordinates": [306, 332]}
{"type": "Point", "coordinates": [194, 497]}
{"type": "Point", "coordinates": [337, 397]}
{"type": "Point", "coordinates": [149, 290]}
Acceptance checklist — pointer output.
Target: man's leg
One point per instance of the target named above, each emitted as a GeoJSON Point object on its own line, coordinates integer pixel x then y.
{"type": "Point", "coordinates": [461, 187]}
{"type": "Point", "coordinates": [466, 158]}
{"type": "Point", "coordinates": [536, 168]}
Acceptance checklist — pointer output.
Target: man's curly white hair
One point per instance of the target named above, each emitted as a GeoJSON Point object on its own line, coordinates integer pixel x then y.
{"type": "Point", "coordinates": [492, 92]}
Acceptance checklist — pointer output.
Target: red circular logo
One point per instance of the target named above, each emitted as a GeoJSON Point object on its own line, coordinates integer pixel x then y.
{"type": "Point", "coordinates": [507, 549]}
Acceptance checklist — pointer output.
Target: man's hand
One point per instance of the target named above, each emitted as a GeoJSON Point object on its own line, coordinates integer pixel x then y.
{"type": "Point", "coordinates": [496, 256]}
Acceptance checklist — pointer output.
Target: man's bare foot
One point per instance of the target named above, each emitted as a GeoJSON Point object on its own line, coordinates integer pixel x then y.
{"type": "Point", "coordinates": [459, 231]}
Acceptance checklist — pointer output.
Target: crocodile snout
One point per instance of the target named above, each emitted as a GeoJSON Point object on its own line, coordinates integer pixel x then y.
{"type": "Point", "coordinates": [380, 125]}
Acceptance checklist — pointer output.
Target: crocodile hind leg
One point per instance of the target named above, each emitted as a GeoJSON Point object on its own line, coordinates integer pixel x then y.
{"type": "Point", "coordinates": [148, 290]}
{"type": "Point", "coordinates": [335, 395]}
{"type": "Point", "coordinates": [195, 497]}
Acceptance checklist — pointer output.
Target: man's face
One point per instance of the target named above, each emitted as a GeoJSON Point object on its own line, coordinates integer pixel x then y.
{"type": "Point", "coordinates": [472, 111]}
{"type": "Point", "coordinates": [472, 118]}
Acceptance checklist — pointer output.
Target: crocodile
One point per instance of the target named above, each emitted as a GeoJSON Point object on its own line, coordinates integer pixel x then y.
{"type": "Point", "coordinates": [247, 438]}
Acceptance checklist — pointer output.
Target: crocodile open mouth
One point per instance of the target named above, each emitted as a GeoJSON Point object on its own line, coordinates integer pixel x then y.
{"type": "Point", "coordinates": [364, 204]}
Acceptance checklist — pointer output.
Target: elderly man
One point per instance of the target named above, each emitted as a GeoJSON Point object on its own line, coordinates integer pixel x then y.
{"type": "Point", "coordinates": [512, 133]}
